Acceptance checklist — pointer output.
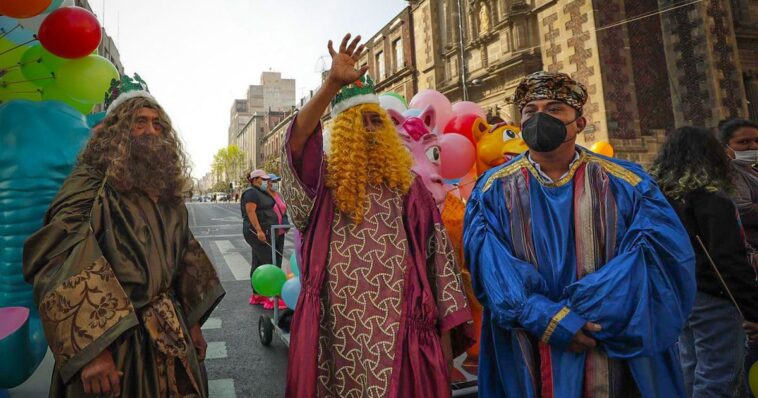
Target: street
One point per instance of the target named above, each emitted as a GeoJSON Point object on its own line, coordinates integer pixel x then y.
{"type": "Point", "coordinates": [238, 365]}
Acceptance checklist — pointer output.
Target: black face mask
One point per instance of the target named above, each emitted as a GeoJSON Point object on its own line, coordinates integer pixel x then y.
{"type": "Point", "coordinates": [544, 133]}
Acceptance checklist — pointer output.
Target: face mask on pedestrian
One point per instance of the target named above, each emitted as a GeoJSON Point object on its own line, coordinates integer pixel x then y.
{"type": "Point", "coordinates": [275, 186]}
{"type": "Point", "coordinates": [748, 156]}
{"type": "Point", "coordinates": [264, 185]}
{"type": "Point", "coordinates": [544, 133]}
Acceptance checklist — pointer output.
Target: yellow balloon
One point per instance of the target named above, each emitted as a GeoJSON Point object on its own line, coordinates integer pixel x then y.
{"type": "Point", "coordinates": [752, 378]}
{"type": "Point", "coordinates": [603, 148]}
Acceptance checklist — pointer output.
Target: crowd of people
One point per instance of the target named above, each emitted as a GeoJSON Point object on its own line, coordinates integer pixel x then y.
{"type": "Point", "coordinates": [597, 278]}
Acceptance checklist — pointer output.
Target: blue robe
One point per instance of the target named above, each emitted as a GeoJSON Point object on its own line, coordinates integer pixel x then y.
{"type": "Point", "coordinates": [601, 245]}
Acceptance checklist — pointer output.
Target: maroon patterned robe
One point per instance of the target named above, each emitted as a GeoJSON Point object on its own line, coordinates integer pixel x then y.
{"type": "Point", "coordinates": [375, 296]}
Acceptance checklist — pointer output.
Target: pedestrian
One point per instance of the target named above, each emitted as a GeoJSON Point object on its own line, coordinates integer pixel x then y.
{"type": "Point", "coordinates": [280, 208]}
{"type": "Point", "coordinates": [121, 284]}
{"type": "Point", "coordinates": [258, 215]}
{"type": "Point", "coordinates": [695, 175]}
{"type": "Point", "coordinates": [381, 293]}
{"type": "Point", "coordinates": [740, 138]}
{"type": "Point", "coordinates": [585, 273]}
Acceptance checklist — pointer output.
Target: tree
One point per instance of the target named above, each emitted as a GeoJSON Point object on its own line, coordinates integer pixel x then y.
{"type": "Point", "coordinates": [272, 165]}
{"type": "Point", "coordinates": [220, 186]}
{"type": "Point", "coordinates": [228, 165]}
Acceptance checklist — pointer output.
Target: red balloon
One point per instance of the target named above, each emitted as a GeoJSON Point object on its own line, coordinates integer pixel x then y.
{"type": "Point", "coordinates": [70, 32]}
{"type": "Point", "coordinates": [23, 8]}
{"type": "Point", "coordinates": [465, 126]}
{"type": "Point", "coordinates": [457, 155]}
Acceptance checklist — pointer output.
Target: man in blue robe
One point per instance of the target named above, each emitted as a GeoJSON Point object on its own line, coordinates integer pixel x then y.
{"type": "Point", "coordinates": [585, 272]}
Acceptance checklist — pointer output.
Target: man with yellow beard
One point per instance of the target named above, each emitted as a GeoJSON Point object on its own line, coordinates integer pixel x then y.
{"type": "Point", "coordinates": [381, 312]}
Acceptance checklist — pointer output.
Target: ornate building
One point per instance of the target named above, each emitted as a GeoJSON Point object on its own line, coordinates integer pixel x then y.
{"type": "Point", "coordinates": [390, 57]}
{"type": "Point", "coordinates": [649, 65]}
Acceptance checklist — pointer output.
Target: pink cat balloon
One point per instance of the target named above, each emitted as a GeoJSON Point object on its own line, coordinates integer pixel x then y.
{"type": "Point", "coordinates": [424, 143]}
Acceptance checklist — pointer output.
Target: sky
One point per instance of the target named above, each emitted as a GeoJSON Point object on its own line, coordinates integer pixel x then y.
{"type": "Point", "coordinates": [197, 56]}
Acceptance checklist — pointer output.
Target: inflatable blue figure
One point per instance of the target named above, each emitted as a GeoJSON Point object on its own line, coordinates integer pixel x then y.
{"type": "Point", "coordinates": [39, 143]}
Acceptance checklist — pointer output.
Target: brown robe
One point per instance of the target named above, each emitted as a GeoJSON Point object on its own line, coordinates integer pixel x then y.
{"type": "Point", "coordinates": [120, 272]}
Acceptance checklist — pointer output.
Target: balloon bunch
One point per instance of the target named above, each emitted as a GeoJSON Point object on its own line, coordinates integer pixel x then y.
{"type": "Point", "coordinates": [46, 54]}
{"type": "Point", "coordinates": [269, 280]}
{"type": "Point", "coordinates": [467, 144]}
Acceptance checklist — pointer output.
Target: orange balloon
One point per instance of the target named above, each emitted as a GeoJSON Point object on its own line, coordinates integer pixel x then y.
{"type": "Point", "coordinates": [23, 8]}
{"type": "Point", "coordinates": [603, 148]}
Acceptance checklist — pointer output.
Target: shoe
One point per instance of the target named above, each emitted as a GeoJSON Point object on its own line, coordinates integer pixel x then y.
{"type": "Point", "coordinates": [269, 304]}
{"type": "Point", "coordinates": [257, 299]}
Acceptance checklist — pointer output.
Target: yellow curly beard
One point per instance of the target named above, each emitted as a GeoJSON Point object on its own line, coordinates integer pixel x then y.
{"type": "Point", "coordinates": [357, 158]}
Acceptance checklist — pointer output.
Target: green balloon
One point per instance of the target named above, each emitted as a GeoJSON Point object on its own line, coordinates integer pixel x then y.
{"type": "Point", "coordinates": [53, 93]}
{"type": "Point", "coordinates": [8, 56]}
{"type": "Point", "coordinates": [86, 79]}
{"type": "Point", "coordinates": [34, 68]}
{"type": "Point", "coordinates": [398, 96]}
{"type": "Point", "coordinates": [268, 280]}
{"type": "Point", "coordinates": [51, 60]}
{"type": "Point", "coordinates": [13, 86]}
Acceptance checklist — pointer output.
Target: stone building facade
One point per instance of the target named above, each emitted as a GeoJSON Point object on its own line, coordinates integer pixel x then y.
{"type": "Point", "coordinates": [649, 65]}
{"type": "Point", "coordinates": [390, 56]}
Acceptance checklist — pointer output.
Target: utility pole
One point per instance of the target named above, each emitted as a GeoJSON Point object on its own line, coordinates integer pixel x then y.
{"type": "Point", "coordinates": [461, 51]}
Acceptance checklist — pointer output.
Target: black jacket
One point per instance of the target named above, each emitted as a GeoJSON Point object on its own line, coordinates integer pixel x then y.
{"type": "Point", "coordinates": [713, 216]}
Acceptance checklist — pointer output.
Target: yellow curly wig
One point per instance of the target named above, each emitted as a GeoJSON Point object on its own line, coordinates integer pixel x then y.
{"type": "Point", "coordinates": [358, 157]}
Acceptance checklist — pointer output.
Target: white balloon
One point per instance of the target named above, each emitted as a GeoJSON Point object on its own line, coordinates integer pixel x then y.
{"type": "Point", "coordinates": [392, 102]}
{"type": "Point", "coordinates": [34, 23]}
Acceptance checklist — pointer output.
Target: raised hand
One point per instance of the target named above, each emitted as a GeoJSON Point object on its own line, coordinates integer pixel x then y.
{"type": "Point", "coordinates": [343, 70]}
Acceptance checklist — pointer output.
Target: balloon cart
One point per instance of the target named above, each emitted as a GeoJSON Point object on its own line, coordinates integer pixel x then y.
{"type": "Point", "coordinates": [267, 325]}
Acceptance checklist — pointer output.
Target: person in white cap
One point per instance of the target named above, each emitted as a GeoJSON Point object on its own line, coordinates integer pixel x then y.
{"type": "Point", "coordinates": [122, 285]}
{"type": "Point", "coordinates": [258, 215]}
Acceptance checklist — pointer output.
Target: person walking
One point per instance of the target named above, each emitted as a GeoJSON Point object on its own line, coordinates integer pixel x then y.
{"type": "Point", "coordinates": [258, 215]}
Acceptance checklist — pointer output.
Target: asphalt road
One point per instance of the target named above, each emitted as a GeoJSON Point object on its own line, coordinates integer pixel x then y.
{"type": "Point", "coordinates": [238, 365]}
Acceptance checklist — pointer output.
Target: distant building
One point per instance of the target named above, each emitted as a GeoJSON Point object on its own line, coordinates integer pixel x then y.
{"type": "Point", "coordinates": [253, 117]}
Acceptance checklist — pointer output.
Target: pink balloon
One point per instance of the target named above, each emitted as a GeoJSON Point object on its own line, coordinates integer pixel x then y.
{"type": "Point", "coordinates": [442, 107]}
{"type": "Point", "coordinates": [457, 156]}
{"type": "Point", "coordinates": [468, 107]}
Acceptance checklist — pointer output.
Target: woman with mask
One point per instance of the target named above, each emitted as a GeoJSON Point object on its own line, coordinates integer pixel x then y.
{"type": "Point", "coordinates": [695, 175]}
{"type": "Point", "coordinates": [280, 208]}
{"type": "Point", "coordinates": [740, 138]}
{"type": "Point", "coordinates": [257, 207]}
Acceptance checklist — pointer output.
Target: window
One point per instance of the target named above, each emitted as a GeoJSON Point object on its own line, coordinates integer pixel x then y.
{"type": "Point", "coordinates": [397, 46]}
{"type": "Point", "coordinates": [380, 65]}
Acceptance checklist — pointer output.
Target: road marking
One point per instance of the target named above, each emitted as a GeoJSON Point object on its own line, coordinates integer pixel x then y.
{"type": "Point", "coordinates": [237, 225]}
{"type": "Point", "coordinates": [192, 214]}
{"type": "Point", "coordinates": [222, 388]}
{"type": "Point", "coordinates": [212, 323]}
{"type": "Point", "coordinates": [218, 236]}
{"type": "Point", "coordinates": [237, 264]}
{"type": "Point", "coordinates": [216, 350]}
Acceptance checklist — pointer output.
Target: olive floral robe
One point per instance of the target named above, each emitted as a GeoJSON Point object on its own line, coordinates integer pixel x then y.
{"type": "Point", "coordinates": [120, 272]}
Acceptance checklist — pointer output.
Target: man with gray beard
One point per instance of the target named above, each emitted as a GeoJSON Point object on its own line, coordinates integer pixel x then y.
{"type": "Point", "coordinates": [121, 284]}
